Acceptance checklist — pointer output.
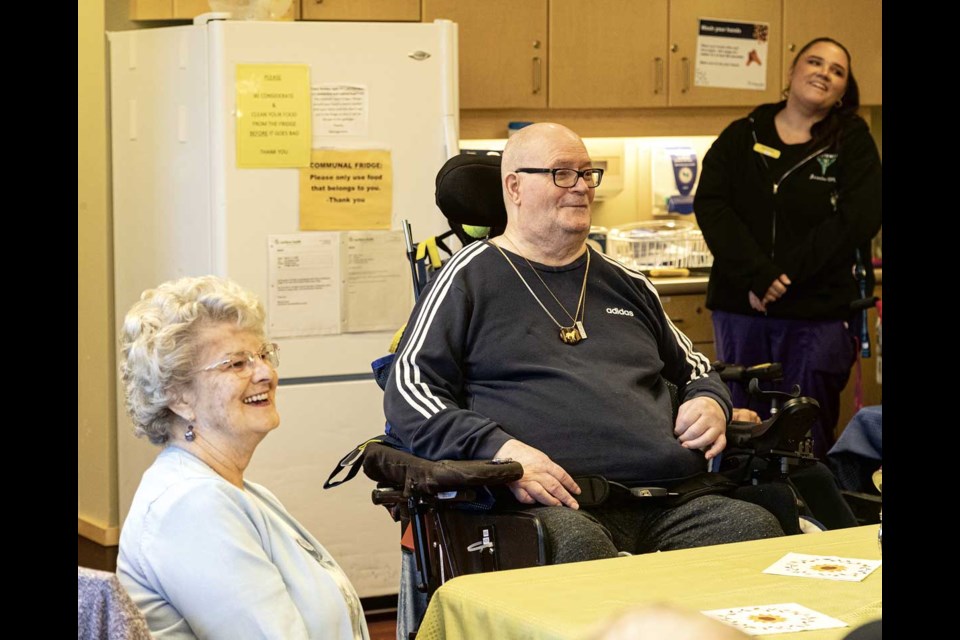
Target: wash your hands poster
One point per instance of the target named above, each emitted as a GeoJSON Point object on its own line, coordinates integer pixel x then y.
{"type": "Point", "coordinates": [732, 55]}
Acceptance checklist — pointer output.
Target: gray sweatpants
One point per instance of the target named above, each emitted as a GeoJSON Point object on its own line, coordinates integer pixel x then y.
{"type": "Point", "coordinates": [641, 527]}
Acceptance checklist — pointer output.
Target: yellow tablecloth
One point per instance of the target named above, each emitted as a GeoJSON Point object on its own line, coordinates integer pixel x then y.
{"type": "Point", "coordinates": [567, 601]}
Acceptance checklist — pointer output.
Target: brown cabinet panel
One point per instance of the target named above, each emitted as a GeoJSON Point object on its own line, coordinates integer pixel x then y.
{"type": "Point", "coordinates": [503, 51]}
{"type": "Point", "coordinates": [857, 24]}
{"type": "Point", "coordinates": [690, 315]}
{"type": "Point", "coordinates": [185, 9]}
{"type": "Point", "coordinates": [599, 59]}
{"type": "Point", "coordinates": [151, 9]}
{"type": "Point", "coordinates": [188, 9]}
{"type": "Point", "coordinates": [353, 10]}
{"type": "Point", "coordinates": [706, 348]}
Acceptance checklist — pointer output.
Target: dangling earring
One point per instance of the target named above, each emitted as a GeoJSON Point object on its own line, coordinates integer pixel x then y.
{"type": "Point", "coordinates": [189, 436]}
{"type": "Point", "coordinates": [839, 103]}
{"type": "Point", "coordinates": [785, 93]}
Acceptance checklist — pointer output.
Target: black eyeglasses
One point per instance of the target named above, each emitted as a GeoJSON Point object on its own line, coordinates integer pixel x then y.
{"type": "Point", "coordinates": [566, 178]}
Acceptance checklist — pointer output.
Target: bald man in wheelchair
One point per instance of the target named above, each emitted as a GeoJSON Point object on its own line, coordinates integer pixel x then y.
{"type": "Point", "coordinates": [534, 347]}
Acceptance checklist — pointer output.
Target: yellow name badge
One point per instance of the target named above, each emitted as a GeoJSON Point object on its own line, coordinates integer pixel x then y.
{"type": "Point", "coordinates": [770, 152]}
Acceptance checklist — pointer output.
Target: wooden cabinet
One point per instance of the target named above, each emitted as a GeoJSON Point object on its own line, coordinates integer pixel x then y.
{"type": "Point", "coordinates": [635, 54]}
{"type": "Point", "coordinates": [354, 10]}
{"type": "Point", "coordinates": [151, 9]}
{"type": "Point", "coordinates": [857, 24]}
{"type": "Point", "coordinates": [684, 28]}
{"type": "Point", "coordinates": [689, 313]}
{"type": "Point", "coordinates": [185, 9]}
{"type": "Point", "coordinates": [608, 54]}
{"type": "Point", "coordinates": [503, 51]}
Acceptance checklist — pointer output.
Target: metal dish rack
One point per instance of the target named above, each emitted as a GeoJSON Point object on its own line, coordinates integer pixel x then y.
{"type": "Point", "coordinates": [653, 244]}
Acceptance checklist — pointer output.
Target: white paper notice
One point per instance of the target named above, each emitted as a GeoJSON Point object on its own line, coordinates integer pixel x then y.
{"type": "Point", "coordinates": [731, 54]}
{"type": "Point", "coordinates": [340, 110]}
{"type": "Point", "coordinates": [377, 289]}
{"type": "Point", "coordinates": [304, 284]}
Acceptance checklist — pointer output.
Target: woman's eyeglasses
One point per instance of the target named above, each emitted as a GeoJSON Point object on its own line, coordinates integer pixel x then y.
{"type": "Point", "coordinates": [243, 362]}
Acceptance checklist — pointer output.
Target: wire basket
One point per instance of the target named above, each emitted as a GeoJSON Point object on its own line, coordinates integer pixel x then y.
{"type": "Point", "coordinates": [698, 254]}
{"type": "Point", "coordinates": [653, 244]}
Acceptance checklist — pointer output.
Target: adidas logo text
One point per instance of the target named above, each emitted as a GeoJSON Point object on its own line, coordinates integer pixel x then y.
{"type": "Point", "coordinates": [619, 312]}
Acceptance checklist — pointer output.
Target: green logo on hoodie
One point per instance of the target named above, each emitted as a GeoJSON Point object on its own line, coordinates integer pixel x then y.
{"type": "Point", "coordinates": [825, 160]}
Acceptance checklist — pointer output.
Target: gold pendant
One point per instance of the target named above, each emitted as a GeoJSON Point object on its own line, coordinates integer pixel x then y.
{"type": "Point", "coordinates": [570, 335]}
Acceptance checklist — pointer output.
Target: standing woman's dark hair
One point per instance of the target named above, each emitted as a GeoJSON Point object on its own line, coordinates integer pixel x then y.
{"type": "Point", "coordinates": [830, 127]}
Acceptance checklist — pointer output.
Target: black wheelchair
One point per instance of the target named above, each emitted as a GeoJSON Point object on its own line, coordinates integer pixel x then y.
{"type": "Point", "coordinates": [458, 517]}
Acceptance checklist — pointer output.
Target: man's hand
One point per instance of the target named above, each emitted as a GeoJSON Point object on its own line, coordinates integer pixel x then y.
{"type": "Point", "coordinates": [543, 480]}
{"type": "Point", "coordinates": [745, 415]}
{"type": "Point", "coordinates": [702, 423]}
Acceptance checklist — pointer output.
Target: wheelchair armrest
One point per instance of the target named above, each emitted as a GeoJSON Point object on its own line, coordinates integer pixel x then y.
{"type": "Point", "coordinates": [783, 431]}
{"type": "Point", "coordinates": [410, 473]}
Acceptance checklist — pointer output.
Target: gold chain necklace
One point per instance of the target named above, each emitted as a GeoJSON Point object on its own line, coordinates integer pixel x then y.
{"type": "Point", "coordinates": [575, 332]}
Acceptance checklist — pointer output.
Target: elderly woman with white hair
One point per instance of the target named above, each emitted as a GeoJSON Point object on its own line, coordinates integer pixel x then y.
{"type": "Point", "coordinates": [205, 553]}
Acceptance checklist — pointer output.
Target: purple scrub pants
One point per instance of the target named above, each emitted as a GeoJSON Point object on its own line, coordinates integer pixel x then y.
{"type": "Point", "coordinates": [815, 354]}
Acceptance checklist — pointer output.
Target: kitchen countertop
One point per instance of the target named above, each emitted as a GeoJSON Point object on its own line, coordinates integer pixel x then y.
{"type": "Point", "coordinates": [680, 286]}
{"type": "Point", "coordinates": [698, 284]}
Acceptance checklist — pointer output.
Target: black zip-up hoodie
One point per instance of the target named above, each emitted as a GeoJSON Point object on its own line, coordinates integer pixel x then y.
{"type": "Point", "coordinates": [804, 214]}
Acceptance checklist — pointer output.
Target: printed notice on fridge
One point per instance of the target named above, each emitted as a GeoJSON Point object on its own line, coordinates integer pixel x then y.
{"type": "Point", "coordinates": [346, 189]}
{"type": "Point", "coordinates": [340, 110]}
{"type": "Point", "coordinates": [304, 272]}
{"type": "Point", "coordinates": [732, 54]}
{"type": "Point", "coordinates": [377, 289]}
{"type": "Point", "coordinates": [324, 283]}
{"type": "Point", "coordinates": [273, 116]}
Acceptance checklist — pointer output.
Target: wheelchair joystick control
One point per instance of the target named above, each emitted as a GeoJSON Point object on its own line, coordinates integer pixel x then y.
{"type": "Point", "coordinates": [775, 397]}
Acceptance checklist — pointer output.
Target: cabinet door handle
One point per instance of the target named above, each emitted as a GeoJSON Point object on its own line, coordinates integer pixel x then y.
{"type": "Point", "coordinates": [658, 65]}
{"type": "Point", "coordinates": [685, 62]}
{"type": "Point", "coordinates": [536, 74]}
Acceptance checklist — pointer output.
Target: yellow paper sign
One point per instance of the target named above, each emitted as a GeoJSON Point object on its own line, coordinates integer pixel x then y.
{"type": "Point", "coordinates": [346, 190]}
{"type": "Point", "coordinates": [273, 115]}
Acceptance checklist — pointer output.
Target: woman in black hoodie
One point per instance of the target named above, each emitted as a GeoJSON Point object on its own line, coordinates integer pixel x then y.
{"type": "Point", "coordinates": [788, 202]}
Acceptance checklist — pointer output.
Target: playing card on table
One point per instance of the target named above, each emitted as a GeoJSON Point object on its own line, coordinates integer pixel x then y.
{"type": "Point", "coordinates": [826, 567]}
{"type": "Point", "coordinates": [774, 618]}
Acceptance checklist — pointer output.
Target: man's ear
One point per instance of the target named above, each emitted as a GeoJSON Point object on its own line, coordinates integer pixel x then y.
{"type": "Point", "coordinates": [511, 186]}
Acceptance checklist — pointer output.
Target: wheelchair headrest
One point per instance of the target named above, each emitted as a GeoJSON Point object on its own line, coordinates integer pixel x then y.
{"type": "Point", "coordinates": [469, 192]}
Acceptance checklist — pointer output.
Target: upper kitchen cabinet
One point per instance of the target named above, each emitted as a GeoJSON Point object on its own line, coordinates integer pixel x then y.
{"type": "Point", "coordinates": [151, 9]}
{"type": "Point", "coordinates": [371, 10]}
{"type": "Point", "coordinates": [186, 9]}
{"type": "Point", "coordinates": [503, 51]}
{"type": "Point", "coordinates": [684, 30]}
{"type": "Point", "coordinates": [607, 54]}
{"type": "Point", "coordinates": [857, 24]}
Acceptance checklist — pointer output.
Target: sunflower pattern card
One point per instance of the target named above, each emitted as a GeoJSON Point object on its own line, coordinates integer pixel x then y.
{"type": "Point", "coordinates": [825, 567]}
{"type": "Point", "coordinates": [787, 617]}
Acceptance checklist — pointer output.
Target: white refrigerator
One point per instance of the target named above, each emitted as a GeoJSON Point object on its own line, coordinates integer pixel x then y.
{"type": "Point", "coordinates": [182, 206]}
